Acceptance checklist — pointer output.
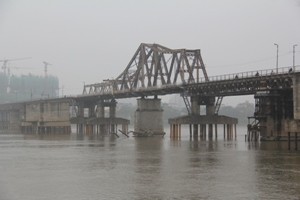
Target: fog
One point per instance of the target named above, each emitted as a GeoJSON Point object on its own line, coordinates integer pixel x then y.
{"type": "Point", "coordinates": [88, 41]}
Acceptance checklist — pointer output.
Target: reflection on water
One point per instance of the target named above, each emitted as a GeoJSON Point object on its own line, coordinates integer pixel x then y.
{"type": "Point", "coordinates": [104, 167]}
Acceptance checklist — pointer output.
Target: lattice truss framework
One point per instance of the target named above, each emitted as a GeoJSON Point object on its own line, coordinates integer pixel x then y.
{"type": "Point", "coordinates": [154, 65]}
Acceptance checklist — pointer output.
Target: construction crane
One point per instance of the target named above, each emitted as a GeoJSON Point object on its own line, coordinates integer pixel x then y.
{"type": "Point", "coordinates": [6, 68]}
{"type": "Point", "coordinates": [5, 61]}
{"type": "Point", "coordinates": [46, 68]}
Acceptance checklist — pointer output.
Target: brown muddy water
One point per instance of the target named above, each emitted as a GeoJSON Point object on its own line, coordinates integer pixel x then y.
{"type": "Point", "coordinates": [77, 167]}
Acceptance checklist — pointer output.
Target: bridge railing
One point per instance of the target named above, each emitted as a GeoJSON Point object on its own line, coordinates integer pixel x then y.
{"type": "Point", "coordinates": [251, 74]}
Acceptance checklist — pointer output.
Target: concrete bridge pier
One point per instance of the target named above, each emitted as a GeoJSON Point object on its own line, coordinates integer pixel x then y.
{"type": "Point", "coordinates": [274, 115]}
{"type": "Point", "coordinates": [112, 114]}
{"type": "Point", "coordinates": [209, 103]}
{"type": "Point", "coordinates": [44, 116]}
{"type": "Point", "coordinates": [148, 117]}
{"type": "Point", "coordinates": [195, 110]}
{"type": "Point", "coordinates": [92, 118]}
{"type": "Point", "coordinates": [206, 124]}
{"type": "Point", "coordinates": [100, 113]}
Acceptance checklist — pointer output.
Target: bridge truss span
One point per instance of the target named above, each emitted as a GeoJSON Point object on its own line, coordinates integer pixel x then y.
{"type": "Point", "coordinates": [157, 70]}
{"type": "Point", "coordinates": [154, 66]}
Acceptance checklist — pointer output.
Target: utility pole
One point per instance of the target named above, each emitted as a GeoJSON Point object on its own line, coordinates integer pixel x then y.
{"type": "Point", "coordinates": [294, 46]}
{"type": "Point", "coordinates": [276, 57]}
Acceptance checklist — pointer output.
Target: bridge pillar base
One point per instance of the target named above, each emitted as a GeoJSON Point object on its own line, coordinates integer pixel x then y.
{"type": "Point", "coordinates": [206, 125]}
{"type": "Point", "coordinates": [148, 117]}
{"type": "Point", "coordinates": [274, 116]}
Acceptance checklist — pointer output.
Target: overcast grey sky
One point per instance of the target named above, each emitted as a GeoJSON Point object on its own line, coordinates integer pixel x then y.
{"type": "Point", "coordinates": [88, 41]}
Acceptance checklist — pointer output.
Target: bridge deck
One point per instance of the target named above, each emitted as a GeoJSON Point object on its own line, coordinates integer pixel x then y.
{"type": "Point", "coordinates": [223, 85]}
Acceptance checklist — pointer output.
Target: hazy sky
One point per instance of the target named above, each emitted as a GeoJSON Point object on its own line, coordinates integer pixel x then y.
{"type": "Point", "coordinates": [88, 41]}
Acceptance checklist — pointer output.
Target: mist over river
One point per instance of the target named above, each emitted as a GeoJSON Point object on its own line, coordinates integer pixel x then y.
{"type": "Point", "coordinates": [79, 167]}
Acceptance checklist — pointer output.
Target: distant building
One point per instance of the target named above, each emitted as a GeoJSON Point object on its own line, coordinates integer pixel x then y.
{"type": "Point", "coordinates": [27, 87]}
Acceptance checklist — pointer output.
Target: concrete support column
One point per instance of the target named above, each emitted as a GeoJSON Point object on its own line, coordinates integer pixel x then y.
{"type": "Point", "coordinates": [216, 131]}
{"type": "Point", "coordinates": [201, 131]}
{"type": "Point", "coordinates": [78, 128]}
{"type": "Point", "coordinates": [148, 116]}
{"type": "Point", "coordinates": [113, 128]}
{"type": "Point", "coordinates": [191, 128]}
{"type": "Point", "coordinates": [94, 129]}
{"type": "Point", "coordinates": [210, 131]}
{"type": "Point", "coordinates": [195, 130]}
{"type": "Point", "coordinates": [80, 110]}
{"type": "Point", "coordinates": [210, 106]}
{"type": "Point", "coordinates": [224, 132]}
{"type": "Point", "coordinates": [235, 131]}
{"type": "Point", "coordinates": [195, 108]}
{"type": "Point", "coordinates": [228, 132]}
{"type": "Point", "coordinates": [112, 111]}
{"type": "Point", "coordinates": [100, 111]}
{"type": "Point", "coordinates": [210, 109]}
{"type": "Point", "coordinates": [179, 129]}
{"type": "Point", "coordinates": [296, 96]}
{"type": "Point", "coordinates": [102, 128]}
{"type": "Point", "coordinates": [204, 131]}
{"type": "Point", "coordinates": [175, 131]}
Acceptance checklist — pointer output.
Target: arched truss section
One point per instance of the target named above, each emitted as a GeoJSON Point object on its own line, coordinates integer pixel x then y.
{"type": "Point", "coordinates": [154, 65]}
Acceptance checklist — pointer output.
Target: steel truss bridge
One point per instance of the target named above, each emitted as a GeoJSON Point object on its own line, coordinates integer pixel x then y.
{"type": "Point", "coordinates": [158, 70]}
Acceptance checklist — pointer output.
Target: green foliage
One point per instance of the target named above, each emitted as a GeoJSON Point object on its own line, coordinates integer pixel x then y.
{"type": "Point", "coordinates": [242, 111]}
{"type": "Point", "coordinates": [126, 110]}
{"type": "Point", "coordinates": [172, 111]}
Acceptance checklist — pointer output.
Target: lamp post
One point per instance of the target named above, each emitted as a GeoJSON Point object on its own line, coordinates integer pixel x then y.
{"type": "Point", "coordinates": [276, 57]}
{"type": "Point", "coordinates": [294, 46]}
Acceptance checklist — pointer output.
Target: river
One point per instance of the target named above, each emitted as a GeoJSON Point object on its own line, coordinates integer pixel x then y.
{"type": "Point", "coordinates": [76, 167]}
